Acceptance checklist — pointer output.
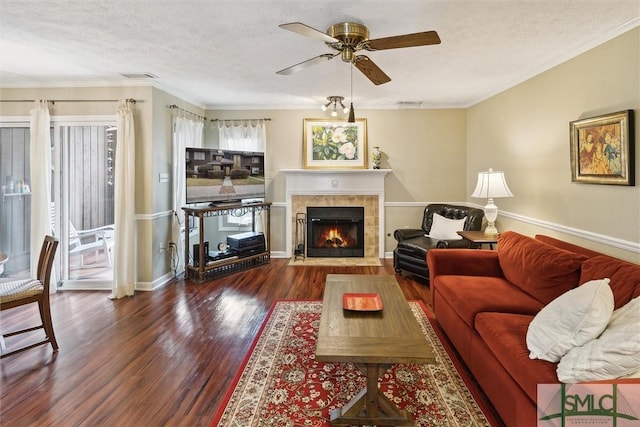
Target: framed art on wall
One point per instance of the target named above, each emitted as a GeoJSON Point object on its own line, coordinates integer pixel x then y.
{"type": "Point", "coordinates": [602, 149]}
{"type": "Point", "coordinates": [334, 144]}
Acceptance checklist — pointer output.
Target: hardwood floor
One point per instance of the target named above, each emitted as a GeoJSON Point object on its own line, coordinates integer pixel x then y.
{"type": "Point", "coordinates": [161, 358]}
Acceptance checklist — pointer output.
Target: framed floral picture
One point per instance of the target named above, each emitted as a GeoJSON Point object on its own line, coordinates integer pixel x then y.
{"type": "Point", "coordinates": [602, 149]}
{"type": "Point", "coordinates": [335, 144]}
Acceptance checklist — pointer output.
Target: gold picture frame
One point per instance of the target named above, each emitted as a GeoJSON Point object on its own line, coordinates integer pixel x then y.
{"type": "Point", "coordinates": [334, 144]}
{"type": "Point", "coordinates": [602, 149]}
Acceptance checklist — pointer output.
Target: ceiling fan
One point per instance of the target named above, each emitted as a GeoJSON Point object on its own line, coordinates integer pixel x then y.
{"type": "Point", "coordinates": [347, 38]}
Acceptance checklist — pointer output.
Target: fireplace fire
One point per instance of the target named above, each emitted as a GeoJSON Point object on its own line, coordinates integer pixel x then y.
{"type": "Point", "coordinates": [335, 237]}
{"type": "Point", "coordinates": [335, 231]}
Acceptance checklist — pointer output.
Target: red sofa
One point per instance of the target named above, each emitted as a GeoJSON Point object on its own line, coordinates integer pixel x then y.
{"type": "Point", "coordinates": [484, 301]}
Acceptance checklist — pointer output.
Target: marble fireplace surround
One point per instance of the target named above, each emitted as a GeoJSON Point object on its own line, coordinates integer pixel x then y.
{"type": "Point", "coordinates": [338, 187]}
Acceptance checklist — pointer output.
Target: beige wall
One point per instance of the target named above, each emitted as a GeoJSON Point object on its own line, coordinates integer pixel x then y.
{"type": "Point", "coordinates": [434, 154]}
{"type": "Point", "coordinates": [525, 132]}
{"type": "Point", "coordinates": [157, 160]}
{"type": "Point", "coordinates": [424, 148]}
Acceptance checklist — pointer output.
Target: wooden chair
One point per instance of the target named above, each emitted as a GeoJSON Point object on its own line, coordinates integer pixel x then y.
{"type": "Point", "coordinates": [14, 293]}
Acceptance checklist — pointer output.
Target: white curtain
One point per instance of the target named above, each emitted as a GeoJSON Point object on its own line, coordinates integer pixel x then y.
{"type": "Point", "coordinates": [188, 133]}
{"type": "Point", "coordinates": [261, 225]}
{"type": "Point", "coordinates": [242, 135]}
{"type": "Point", "coordinates": [124, 204]}
{"type": "Point", "coordinates": [40, 164]}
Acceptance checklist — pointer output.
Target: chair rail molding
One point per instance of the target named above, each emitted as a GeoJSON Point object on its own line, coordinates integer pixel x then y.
{"type": "Point", "coordinates": [633, 247]}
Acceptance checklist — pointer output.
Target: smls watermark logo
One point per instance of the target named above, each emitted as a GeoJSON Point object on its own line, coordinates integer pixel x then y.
{"type": "Point", "coordinates": [577, 405]}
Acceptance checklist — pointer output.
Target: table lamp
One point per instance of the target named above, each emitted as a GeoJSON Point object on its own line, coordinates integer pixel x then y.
{"type": "Point", "coordinates": [491, 185]}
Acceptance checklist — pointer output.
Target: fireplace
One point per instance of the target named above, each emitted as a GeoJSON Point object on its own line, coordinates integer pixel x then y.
{"type": "Point", "coordinates": [335, 231]}
{"type": "Point", "coordinates": [331, 187]}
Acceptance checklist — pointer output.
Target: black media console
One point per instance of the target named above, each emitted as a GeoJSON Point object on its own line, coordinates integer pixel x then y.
{"type": "Point", "coordinates": [240, 252]}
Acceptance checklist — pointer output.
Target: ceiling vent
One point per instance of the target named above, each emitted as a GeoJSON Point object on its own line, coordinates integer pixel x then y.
{"type": "Point", "coordinates": [409, 104]}
{"type": "Point", "coordinates": [139, 76]}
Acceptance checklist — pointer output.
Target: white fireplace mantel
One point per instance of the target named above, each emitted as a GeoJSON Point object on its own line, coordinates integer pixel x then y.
{"type": "Point", "coordinates": [334, 182]}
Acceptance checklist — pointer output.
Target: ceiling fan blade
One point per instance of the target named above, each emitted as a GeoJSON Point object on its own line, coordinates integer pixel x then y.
{"type": "Point", "coordinates": [306, 64]}
{"type": "Point", "coordinates": [371, 70]}
{"type": "Point", "coordinates": [406, 40]}
{"type": "Point", "coordinates": [307, 31]}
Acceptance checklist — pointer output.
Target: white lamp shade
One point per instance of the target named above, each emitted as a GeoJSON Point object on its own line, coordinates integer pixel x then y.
{"type": "Point", "coordinates": [491, 185]}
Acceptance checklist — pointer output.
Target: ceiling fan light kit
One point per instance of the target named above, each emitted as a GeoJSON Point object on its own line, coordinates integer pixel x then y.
{"type": "Point", "coordinates": [347, 38]}
{"type": "Point", "coordinates": [335, 100]}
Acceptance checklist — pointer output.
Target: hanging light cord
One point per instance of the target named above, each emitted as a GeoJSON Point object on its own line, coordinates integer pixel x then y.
{"type": "Point", "coordinates": [352, 82]}
{"type": "Point", "coordinates": [352, 115]}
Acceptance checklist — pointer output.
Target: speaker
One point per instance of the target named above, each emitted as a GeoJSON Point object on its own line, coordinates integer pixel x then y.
{"type": "Point", "coordinates": [196, 253]}
{"type": "Point", "coordinates": [246, 240]}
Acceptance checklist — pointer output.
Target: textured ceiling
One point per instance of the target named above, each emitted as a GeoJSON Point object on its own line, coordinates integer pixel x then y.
{"type": "Point", "coordinates": [225, 54]}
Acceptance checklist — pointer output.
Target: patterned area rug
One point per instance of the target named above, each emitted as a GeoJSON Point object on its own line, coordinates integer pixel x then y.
{"type": "Point", "coordinates": [283, 385]}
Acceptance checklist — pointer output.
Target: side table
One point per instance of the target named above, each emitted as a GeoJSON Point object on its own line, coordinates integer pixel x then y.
{"type": "Point", "coordinates": [478, 238]}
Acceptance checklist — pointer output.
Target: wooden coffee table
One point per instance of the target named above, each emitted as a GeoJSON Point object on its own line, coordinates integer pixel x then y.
{"type": "Point", "coordinates": [373, 341]}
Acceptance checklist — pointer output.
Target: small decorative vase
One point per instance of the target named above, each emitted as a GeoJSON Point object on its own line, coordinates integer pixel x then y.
{"type": "Point", "coordinates": [376, 157]}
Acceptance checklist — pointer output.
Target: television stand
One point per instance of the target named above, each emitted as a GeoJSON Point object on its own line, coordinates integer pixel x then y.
{"type": "Point", "coordinates": [218, 266]}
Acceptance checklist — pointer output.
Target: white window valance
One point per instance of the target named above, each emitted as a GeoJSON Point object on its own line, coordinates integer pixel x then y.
{"type": "Point", "coordinates": [242, 135]}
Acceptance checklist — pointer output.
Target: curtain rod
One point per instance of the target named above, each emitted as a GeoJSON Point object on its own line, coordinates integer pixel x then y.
{"type": "Point", "coordinates": [266, 119]}
{"type": "Point", "coordinates": [53, 101]}
{"type": "Point", "coordinates": [175, 107]}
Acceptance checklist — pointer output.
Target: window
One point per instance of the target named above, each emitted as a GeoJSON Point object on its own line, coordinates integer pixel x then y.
{"type": "Point", "coordinates": [15, 200]}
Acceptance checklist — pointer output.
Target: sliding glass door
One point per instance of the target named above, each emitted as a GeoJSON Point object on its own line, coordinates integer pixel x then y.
{"type": "Point", "coordinates": [84, 157]}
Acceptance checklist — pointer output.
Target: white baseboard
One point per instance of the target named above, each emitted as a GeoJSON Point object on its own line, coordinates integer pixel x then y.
{"type": "Point", "coordinates": [150, 286]}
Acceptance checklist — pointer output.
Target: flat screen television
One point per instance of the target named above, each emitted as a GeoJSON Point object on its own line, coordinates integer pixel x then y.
{"type": "Point", "coordinates": [219, 176]}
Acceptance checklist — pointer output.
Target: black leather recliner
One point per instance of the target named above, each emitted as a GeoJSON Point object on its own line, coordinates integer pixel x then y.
{"type": "Point", "coordinates": [411, 253]}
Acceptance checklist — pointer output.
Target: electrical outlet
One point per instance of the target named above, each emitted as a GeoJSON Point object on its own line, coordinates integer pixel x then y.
{"type": "Point", "coordinates": [161, 247]}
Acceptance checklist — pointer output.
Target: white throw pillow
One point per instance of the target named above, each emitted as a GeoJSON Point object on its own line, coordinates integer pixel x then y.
{"type": "Point", "coordinates": [572, 319]}
{"type": "Point", "coordinates": [615, 354]}
{"type": "Point", "coordinates": [634, 374]}
{"type": "Point", "coordinates": [445, 228]}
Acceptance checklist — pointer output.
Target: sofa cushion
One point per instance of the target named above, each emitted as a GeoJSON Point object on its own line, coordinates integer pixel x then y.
{"type": "Point", "coordinates": [616, 353]}
{"type": "Point", "coordinates": [469, 295]}
{"type": "Point", "coordinates": [562, 244]}
{"type": "Point", "coordinates": [541, 270]}
{"type": "Point", "coordinates": [573, 319]}
{"type": "Point", "coordinates": [504, 334]}
{"type": "Point", "coordinates": [625, 277]}
{"type": "Point", "coordinates": [445, 228]}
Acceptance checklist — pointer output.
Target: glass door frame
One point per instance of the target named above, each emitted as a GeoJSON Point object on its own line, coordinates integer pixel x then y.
{"type": "Point", "coordinates": [61, 198]}
{"type": "Point", "coordinates": [18, 122]}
